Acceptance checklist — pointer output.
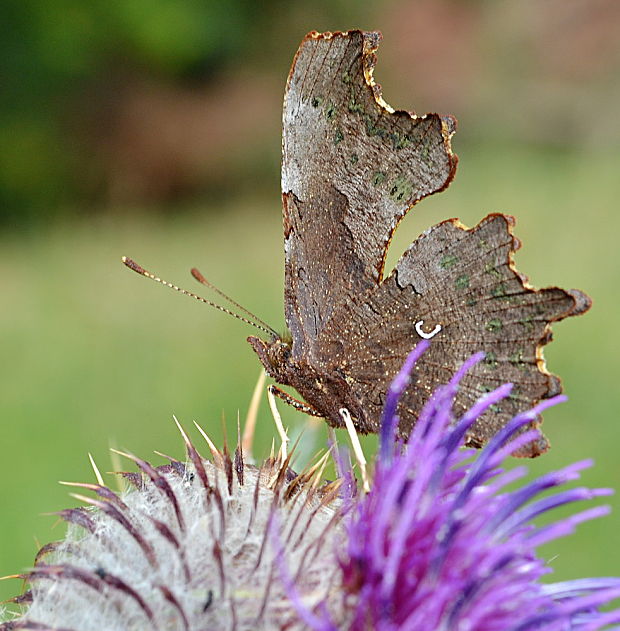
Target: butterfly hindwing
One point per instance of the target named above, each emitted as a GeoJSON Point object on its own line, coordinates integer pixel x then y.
{"type": "Point", "coordinates": [464, 281]}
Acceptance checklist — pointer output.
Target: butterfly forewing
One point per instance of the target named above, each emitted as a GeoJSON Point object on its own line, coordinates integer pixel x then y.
{"type": "Point", "coordinates": [351, 169]}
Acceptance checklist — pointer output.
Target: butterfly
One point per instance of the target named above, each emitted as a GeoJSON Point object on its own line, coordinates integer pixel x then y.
{"type": "Point", "coordinates": [351, 169]}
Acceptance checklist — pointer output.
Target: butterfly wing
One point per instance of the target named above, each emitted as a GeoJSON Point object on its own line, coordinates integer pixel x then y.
{"type": "Point", "coordinates": [351, 168]}
{"type": "Point", "coordinates": [465, 281]}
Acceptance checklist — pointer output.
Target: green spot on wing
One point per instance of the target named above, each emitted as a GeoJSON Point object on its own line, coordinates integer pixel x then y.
{"type": "Point", "coordinates": [491, 360]}
{"type": "Point", "coordinates": [400, 141]}
{"type": "Point", "coordinates": [493, 325]}
{"type": "Point", "coordinates": [527, 322]}
{"type": "Point", "coordinates": [401, 189]}
{"type": "Point", "coordinates": [424, 150]}
{"type": "Point", "coordinates": [378, 177]}
{"type": "Point", "coordinates": [448, 261]}
{"type": "Point", "coordinates": [354, 106]}
{"type": "Point", "coordinates": [485, 390]}
{"type": "Point", "coordinates": [517, 359]}
{"type": "Point", "coordinates": [372, 129]}
{"type": "Point", "coordinates": [338, 136]}
{"type": "Point", "coordinates": [491, 269]}
{"type": "Point", "coordinates": [499, 292]}
{"type": "Point", "coordinates": [514, 395]}
{"type": "Point", "coordinates": [462, 282]}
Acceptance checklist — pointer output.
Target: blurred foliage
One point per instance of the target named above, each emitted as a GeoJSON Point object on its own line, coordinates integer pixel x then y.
{"type": "Point", "coordinates": [59, 58]}
{"type": "Point", "coordinates": [152, 102]}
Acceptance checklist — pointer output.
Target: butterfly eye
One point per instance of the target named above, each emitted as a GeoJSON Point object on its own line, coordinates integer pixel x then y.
{"type": "Point", "coordinates": [423, 334]}
{"type": "Point", "coordinates": [284, 350]}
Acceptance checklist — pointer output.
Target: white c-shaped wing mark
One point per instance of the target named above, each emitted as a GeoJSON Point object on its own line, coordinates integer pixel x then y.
{"type": "Point", "coordinates": [422, 334]}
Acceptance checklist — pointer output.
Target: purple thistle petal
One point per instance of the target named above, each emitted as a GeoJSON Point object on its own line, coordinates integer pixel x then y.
{"type": "Point", "coordinates": [567, 609]}
{"type": "Point", "coordinates": [601, 620]}
{"type": "Point", "coordinates": [543, 506]}
{"type": "Point", "coordinates": [505, 478]}
{"type": "Point", "coordinates": [569, 589]}
{"type": "Point", "coordinates": [344, 470]}
{"type": "Point", "coordinates": [389, 420]}
{"type": "Point", "coordinates": [567, 525]}
{"type": "Point", "coordinates": [485, 460]}
{"type": "Point", "coordinates": [514, 444]}
{"type": "Point", "coordinates": [457, 435]}
{"type": "Point", "coordinates": [547, 481]}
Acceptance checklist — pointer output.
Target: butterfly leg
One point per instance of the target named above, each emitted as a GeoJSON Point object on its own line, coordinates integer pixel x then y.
{"type": "Point", "coordinates": [296, 403]}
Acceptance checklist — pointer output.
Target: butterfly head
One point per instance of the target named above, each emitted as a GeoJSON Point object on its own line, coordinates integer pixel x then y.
{"type": "Point", "coordinates": [274, 355]}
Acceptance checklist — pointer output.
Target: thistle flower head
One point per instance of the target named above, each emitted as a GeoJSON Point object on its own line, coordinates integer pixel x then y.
{"type": "Point", "coordinates": [438, 543]}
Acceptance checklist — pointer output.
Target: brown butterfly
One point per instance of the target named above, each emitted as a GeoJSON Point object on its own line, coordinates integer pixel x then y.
{"type": "Point", "coordinates": [351, 169]}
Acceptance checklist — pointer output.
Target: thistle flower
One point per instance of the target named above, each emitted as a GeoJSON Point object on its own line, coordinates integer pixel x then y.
{"type": "Point", "coordinates": [437, 543]}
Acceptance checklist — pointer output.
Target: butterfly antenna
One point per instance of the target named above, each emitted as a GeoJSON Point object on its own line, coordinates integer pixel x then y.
{"type": "Point", "coordinates": [201, 279]}
{"type": "Point", "coordinates": [140, 270]}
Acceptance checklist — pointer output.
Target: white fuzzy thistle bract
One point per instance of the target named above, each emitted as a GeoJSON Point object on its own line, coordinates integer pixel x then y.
{"type": "Point", "coordinates": [189, 547]}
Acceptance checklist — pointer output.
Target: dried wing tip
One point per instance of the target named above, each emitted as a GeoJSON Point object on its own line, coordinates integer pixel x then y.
{"type": "Point", "coordinates": [583, 302]}
{"type": "Point", "coordinates": [370, 36]}
{"type": "Point", "coordinates": [450, 124]}
{"type": "Point", "coordinates": [554, 386]}
{"type": "Point", "coordinates": [536, 447]}
{"type": "Point", "coordinates": [372, 39]}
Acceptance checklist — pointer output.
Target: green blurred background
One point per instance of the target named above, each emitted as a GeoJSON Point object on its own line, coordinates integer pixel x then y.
{"type": "Point", "coordinates": [151, 128]}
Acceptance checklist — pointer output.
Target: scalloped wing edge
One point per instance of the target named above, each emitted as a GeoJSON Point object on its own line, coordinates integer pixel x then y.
{"type": "Point", "coordinates": [581, 303]}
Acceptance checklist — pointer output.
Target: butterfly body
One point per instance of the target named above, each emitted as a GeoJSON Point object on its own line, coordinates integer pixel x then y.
{"type": "Point", "coordinates": [351, 169]}
{"type": "Point", "coordinates": [324, 388]}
